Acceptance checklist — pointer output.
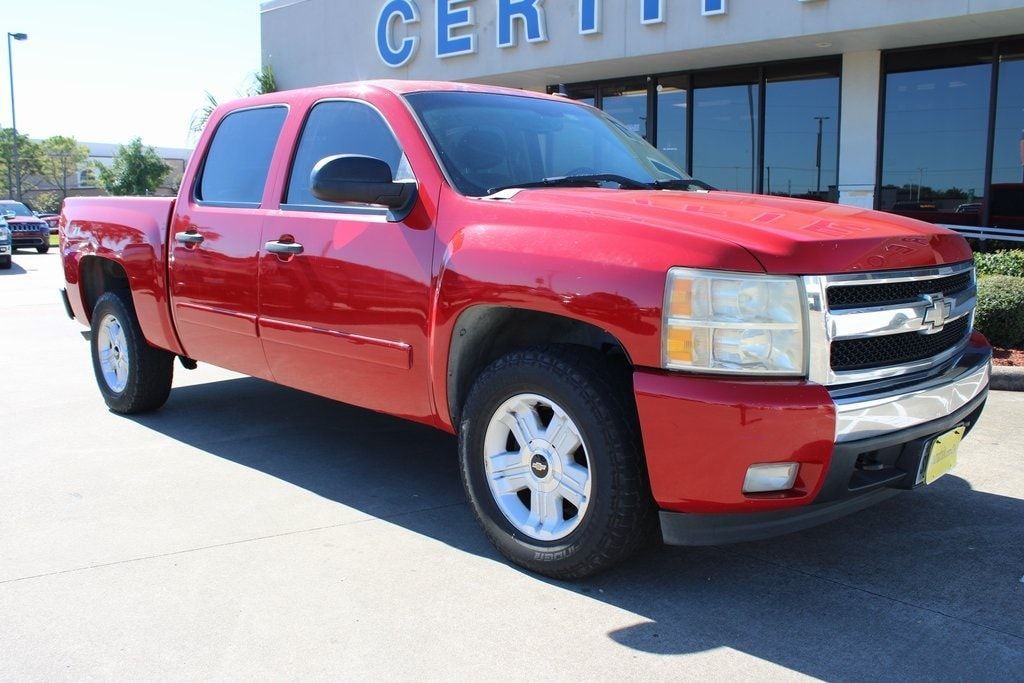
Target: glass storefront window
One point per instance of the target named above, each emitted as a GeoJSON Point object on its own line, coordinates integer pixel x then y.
{"type": "Point", "coordinates": [935, 144]}
{"type": "Point", "coordinates": [1007, 207]}
{"type": "Point", "coordinates": [672, 110]}
{"type": "Point", "coordinates": [585, 95]}
{"type": "Point", "coordinates": [725, 121]}
{"type": "Point", "coordinates": [801, 139]}
{"type": "Point", "coordinates": [628, 105]}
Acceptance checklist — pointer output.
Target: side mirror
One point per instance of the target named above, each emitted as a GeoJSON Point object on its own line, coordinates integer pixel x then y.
{"type": "Point", "coordinates": [361, 179]}
{"type": "Point", "coordinates": [10, 214]}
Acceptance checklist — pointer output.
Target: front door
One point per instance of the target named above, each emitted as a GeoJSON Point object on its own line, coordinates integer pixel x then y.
{"type": "Point", "coordinates": [345, 314]}
{"type": "Point", "coordinates": [215, 244]}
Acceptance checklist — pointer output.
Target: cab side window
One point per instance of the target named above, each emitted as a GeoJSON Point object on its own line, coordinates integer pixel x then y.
{"type": "Point", "coordinates": [238, 161]}
{"type": "Point", "coordinates": [341, 127]}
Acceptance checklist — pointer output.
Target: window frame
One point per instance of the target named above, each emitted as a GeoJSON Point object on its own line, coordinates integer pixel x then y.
{"type": "Point", "coordinates": [198, 181]}
{"type": "Point", "coordinates": [336, 208]}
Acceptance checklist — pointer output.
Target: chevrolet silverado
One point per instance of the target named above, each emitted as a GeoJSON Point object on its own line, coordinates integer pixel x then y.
{"type": "Point", "coordinates": [619, 348]}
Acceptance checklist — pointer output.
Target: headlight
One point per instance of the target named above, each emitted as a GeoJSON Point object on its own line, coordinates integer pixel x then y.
{"type": "Point", "coordinates": [733, 323]}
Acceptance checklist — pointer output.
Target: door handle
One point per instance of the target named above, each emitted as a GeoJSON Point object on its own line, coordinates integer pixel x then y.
{"type": "Point", "coordinates": [284, 248]}
{"type": "Point", "coordinates": [189, 238]}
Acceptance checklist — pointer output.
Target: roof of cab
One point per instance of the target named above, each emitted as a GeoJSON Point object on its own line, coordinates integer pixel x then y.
{"type": "Point", "coordinates": [396, 87]}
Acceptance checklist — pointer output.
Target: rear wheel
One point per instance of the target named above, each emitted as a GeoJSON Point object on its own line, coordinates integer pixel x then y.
{"type": "Point", "coordinates": [133, 376]}
{"type": "Point", "coordinates": [552, 463]}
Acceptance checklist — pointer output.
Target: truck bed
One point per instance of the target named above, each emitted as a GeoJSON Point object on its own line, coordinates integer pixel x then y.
{"type": "Point", "coordinates": [133, 233]}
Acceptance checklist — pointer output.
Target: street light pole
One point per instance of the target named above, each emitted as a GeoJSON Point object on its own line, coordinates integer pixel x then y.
{"type": "Point", "coordinates": [15, 189]}
{"type": "Point", "coordinates": [821, 130]}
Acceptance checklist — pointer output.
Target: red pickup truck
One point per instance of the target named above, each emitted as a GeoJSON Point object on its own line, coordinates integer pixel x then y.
{"type": "Point", "coordinates": [618, 347]}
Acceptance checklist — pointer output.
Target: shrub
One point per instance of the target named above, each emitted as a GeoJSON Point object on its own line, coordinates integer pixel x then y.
{"type": "Point", "coordinates": [1000, 315]}
{"type": "Point", "coordinates": [1006, 262]}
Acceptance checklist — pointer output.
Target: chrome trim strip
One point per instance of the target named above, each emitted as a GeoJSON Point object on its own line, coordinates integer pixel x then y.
{"type": "Point", "coordinates": [891, 276]}
{"type": "Point", "coordinates": [868, 415]}
{"type": "Point", "coordinates": [857, 323]}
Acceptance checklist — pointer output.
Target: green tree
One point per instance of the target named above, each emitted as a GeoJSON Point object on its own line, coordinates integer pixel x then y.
{"type": "Point", "coordinates": [29, 162]}
{"type": "Point", "coordinates": [136, 170]}
{"type": "Point", "coordinates": [264, 81]}
{"type": "Point", "coordinates": [61, 159]}
{"type": "Point", "coordinates": [47, 202]}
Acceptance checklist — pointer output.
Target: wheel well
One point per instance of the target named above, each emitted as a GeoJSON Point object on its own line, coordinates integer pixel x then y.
{"type": "Point", "coordinates": [483, 334]}
{"type": "Point", "coordinates": [99, 276]}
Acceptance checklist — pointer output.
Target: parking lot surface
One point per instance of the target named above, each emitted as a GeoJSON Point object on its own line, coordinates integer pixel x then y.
{"type": "Point", "coordinates": [247, 530]}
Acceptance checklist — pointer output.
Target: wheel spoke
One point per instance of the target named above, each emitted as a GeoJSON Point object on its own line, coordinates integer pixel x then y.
{"type": "Point", "coordinates": [501, 463]}
{"type": "Point", "coordinates": [545, 513]}
{"type": "Point", "coordinates": [572, 484]}
{"type": "Point", "coordinates": [509, 473]}
{"type": "Point", "coordinates": [513, 481]}
{"type": "Point", "coordinates": [562, 436]}
{"type": "Point", "coordinates": [524, 423]}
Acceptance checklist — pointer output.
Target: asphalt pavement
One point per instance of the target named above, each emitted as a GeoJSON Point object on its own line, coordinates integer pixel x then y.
{"type": "Point", "coordinates": [252, 531]}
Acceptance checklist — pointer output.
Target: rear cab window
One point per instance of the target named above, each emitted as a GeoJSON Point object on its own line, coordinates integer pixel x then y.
{"type": "Point", "coordinates": [238, 159]}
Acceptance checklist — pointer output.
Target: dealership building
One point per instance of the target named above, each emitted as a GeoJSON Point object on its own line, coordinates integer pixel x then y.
{"type": "Point", "coordinates": [910, 106]}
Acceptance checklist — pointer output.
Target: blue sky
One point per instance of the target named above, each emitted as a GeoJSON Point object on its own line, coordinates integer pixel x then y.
{"type": "Point", "coordinates": [108, 70]}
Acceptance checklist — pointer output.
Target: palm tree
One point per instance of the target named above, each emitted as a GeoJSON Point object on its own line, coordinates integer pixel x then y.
{"type": "Point", "coordinates": [263, 82]}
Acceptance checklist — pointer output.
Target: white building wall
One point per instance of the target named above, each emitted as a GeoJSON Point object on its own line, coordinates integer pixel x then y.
{"type": "Point", "coordinates": [314, 42]}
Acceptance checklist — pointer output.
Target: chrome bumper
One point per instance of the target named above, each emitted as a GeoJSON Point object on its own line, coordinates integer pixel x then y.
{"type": "Point", "coordinates": [865, 415]}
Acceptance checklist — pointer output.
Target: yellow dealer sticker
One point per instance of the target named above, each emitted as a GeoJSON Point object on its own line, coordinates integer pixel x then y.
{"type": "Point", "coordinates": [943, 454]}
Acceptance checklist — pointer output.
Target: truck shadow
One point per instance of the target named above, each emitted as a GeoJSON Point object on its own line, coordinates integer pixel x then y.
{"type": "Point", "coordinates": [926, 585]}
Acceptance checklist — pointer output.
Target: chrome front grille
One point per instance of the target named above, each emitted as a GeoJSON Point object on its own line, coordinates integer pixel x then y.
{"type": "Point", "coordinates": [858, 296]}
{"type": "Point", "coordinates": [870, 326]}
{"type": "Point", "coordinates": [27, 227]}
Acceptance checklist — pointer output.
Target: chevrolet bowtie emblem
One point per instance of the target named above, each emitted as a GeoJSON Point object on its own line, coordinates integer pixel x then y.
{"type": "Point", "coordinates": [937, 314]}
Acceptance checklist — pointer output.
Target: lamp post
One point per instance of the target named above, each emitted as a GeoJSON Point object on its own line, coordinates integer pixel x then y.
{"type": "Point", "coordinates": [15, 186]}
{"type": "Point", "coordinates": [821, 131]}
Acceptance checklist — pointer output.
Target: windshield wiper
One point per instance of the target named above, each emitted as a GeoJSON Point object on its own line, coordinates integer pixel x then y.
{"type": "Point", "coordinates": [680, 184]}
{"type": "Point", "coordinates": [592, 180]}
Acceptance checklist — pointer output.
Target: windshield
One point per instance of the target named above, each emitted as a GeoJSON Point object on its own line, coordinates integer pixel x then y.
{"type": "Point", "coordinates": [488, 141]}
{"type": "Point", "coordinates": [17, 208]}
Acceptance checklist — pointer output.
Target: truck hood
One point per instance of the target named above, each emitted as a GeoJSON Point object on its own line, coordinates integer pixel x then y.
{"type": "Point", "coordinates": [787, 236]}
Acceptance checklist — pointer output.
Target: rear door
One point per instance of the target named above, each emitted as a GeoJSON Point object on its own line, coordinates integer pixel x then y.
{"type": "Point", "coordinates": [215, 244]}
{"type": "Point", "coordinates": [347, 317]}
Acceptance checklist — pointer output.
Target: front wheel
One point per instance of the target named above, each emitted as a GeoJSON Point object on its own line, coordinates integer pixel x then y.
{"type": "Point", "coordinates": [133, 376]}
{"type": "Point", "coordinates": [552, 463]}
{"type": "Point", "coordinates": [43, 250]}
{"type": "Point", "coordinates": [5, 263]}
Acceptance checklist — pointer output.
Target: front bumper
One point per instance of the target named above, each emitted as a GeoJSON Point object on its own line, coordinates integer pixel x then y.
{"type": "Point", "coordinates": [30, 240]}
{"type": "Point", "coordinates": [854, 450]}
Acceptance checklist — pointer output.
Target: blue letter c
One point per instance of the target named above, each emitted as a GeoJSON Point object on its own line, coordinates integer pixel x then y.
{"type": "Point", "coordinates": [408, 13]}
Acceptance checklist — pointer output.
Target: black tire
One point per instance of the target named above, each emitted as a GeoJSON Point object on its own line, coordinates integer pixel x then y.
{"type": "Point", "coordinates": [5, 263]}
{"type": "Point", "coordinates": [150, 370]}
{"type": "Point", "coordinates": [43, 250]}
{"type": "Point", "coordinates": [620, 516]}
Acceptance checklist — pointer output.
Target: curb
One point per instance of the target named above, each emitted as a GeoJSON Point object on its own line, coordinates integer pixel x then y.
{"type": "Point", "coordinates": [1007, 378]}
